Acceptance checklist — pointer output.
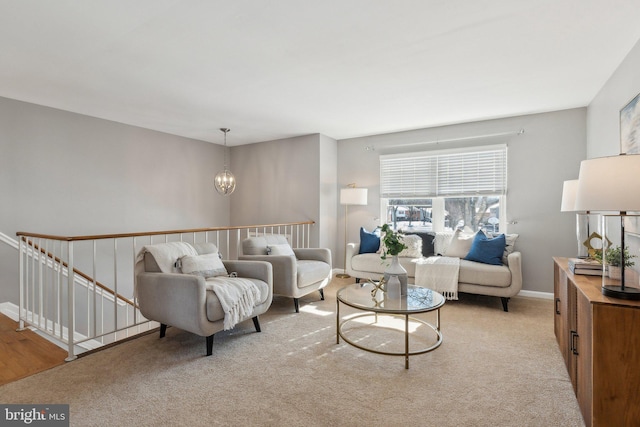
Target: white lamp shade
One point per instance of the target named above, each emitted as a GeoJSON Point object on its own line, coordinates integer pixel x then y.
{"type": "Point", "coordinates": [353, 196]}
{"type": "Point", "coordinates": [569, 190]}
{"type": "Point", "coordinates": [609, 184]}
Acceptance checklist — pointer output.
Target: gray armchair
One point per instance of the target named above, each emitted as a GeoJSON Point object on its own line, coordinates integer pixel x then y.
{"type": "Point", "coordinates": [188, 301]}
{"type": "Point", "coordinates": [295, 274]}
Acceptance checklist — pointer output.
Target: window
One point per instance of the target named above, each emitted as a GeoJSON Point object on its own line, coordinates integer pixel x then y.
{"type": "Point", "coordinates": [445, 190]}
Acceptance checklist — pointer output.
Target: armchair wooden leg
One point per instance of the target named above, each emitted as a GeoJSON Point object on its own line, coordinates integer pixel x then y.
{"type": "Point", "coordinates": [210, 345]}
{"type": "Point", "coordinates": [256, 323]}
{"type": "Point", "coordinates": [322, 294]}
{"type": "Point", "coordinates": [505, 302]}
{"type": "Point", "coordinates": [163, 330]}
{"type": "Point", "coordinates": [296, 304]}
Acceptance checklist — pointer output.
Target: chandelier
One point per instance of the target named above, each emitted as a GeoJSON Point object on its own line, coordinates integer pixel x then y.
{"type": "Point", "coordinates": [225, 182]}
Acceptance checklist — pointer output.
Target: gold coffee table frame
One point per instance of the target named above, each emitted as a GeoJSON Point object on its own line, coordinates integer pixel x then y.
{"type": "Point", "coordinates": [418, 300]}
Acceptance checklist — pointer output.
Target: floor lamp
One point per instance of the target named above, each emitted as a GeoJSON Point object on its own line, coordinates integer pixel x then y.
{"type": "Point", "coordinates": [350, 196]}
{"type": "Point", "coordinates": [610, 185]}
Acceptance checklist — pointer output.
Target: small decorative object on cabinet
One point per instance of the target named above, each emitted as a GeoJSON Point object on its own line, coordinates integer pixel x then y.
{"type": "Point", "coordinates": [599, 341]}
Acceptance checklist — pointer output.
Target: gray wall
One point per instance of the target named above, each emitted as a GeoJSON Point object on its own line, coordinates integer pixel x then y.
{"type": "Point", "coordinates": [125, 178]}
{"type": "Point", "coordinates": [328, 195]}
{"type": "Point", "coordinates": [603, 115]}
{"type": "Point", "coordinates": [68, 174]}
{"type": "Point", "coordinates": [539, 161]}
{"type": "Point", "coordinates": [286, 180]}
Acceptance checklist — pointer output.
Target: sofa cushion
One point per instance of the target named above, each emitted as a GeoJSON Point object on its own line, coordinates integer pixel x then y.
{"type": "Point", "coordinates": [280, 249]}
{"type": "Point", "coordinates": [206, 265]}
{"type": "Point", "coordinates": [369, 241]}
{"type": "Point", "coordinates": [460, 244]}
{"type": "Point", "coordinates": [310, 272]}
{"type": "Point", "coordinates": [484, 274]}
{"type": "Point", "coordinates": [372, 263]}
{"type": "Point", "coordinates": [485, 250]}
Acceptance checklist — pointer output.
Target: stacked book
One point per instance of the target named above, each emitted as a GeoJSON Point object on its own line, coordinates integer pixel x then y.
{"type": "Point", "coordinates": [585, 266]}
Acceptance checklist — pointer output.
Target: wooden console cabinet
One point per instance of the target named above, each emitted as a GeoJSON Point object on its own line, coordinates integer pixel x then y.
{"type": "Point", "coordinates": [599, 338]}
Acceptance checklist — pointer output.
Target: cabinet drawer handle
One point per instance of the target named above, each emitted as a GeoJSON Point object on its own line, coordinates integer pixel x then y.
{"type": "Point", "coordinates": [557, 305]}
{"type": "Point", "coordinates": [574, 347]}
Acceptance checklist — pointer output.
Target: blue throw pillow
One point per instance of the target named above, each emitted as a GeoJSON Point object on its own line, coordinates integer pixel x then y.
{"type": "Point", "coordinates": [369, 242]}
{"type": "Point", "coordinates": [485, 250]}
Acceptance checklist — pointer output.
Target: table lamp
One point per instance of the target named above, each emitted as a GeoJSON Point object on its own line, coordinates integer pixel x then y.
{"type": "Point", "coordinates": [350, 196]}
{"type": "Point", "coordinates": [569, 190]}
{"type": "Point", "coordinates": [610, 185]}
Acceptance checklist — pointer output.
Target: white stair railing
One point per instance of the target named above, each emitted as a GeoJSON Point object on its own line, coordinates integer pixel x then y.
{"type": "Point", "coordinates": [80, 290]}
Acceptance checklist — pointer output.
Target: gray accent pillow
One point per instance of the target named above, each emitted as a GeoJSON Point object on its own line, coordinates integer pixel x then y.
{"type": "Point", "coordinates": [283, 249]}
{"type": "Point", "coordinates": [206, 265]}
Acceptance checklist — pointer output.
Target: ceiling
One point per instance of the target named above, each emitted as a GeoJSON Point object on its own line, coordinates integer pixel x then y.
{"type": "Point", "coordinates": [284, 68]}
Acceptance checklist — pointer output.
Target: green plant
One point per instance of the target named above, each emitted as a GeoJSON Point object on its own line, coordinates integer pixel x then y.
{"type": "Point", "coordinates": [392, 240]}
{"type": "Point", "coordinates": [613, 256]}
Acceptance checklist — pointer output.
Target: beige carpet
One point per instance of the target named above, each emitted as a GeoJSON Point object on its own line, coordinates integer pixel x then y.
{"type": "Point", "coordinates": [493, 369]}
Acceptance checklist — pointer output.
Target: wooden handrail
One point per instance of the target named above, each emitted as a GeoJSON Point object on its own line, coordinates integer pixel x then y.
{"type": "Point", "coordinates": [79, 273]}
{"type": "Point", "coordinates": [23, 235]}
{"type": "Point", "coordinates": [155, 233]}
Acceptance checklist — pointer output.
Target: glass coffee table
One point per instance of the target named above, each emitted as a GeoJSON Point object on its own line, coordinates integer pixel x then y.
{"type": "Point", "coordinates": [418, 300]}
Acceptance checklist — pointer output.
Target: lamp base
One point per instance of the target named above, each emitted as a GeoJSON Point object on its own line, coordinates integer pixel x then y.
{"type": "Point", "coordinates": [620, 292]}
{"type": "Point", "coordinates": [342, 276]}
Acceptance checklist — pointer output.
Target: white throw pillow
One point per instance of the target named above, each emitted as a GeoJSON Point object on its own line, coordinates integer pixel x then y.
{"type": "Point", "coordinates": [206, 265]}
{"type": "Point", "coordinates": [282, 249]}
{"type": "Point", "coordinates": [510, 247]}
{"type": "Point", "coordinates": [460, 245]}
{"type": "Point", "coordinates": [414, 246]}
{"type": "Point", "coordinates": [441, 242]}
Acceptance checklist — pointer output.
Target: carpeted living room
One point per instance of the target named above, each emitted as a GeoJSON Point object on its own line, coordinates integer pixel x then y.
{"type": "Point", "coordinates": [131, 125]}
{"type": "Point", "coordinates": [493, 368]}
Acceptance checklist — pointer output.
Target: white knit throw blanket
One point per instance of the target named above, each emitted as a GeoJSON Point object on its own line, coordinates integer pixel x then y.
{"type": "Point", "coordinates": [237, 296]}
{"type": "Point", "coordinates": [440, 274]}
{"type": "Point", "coordinates": [167, 254]}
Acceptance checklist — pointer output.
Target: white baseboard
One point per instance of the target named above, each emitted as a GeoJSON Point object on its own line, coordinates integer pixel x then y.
{"type": "Point", "coordinates": [10, 310]}
{"type": "Point", "coordinates": [535, 294]}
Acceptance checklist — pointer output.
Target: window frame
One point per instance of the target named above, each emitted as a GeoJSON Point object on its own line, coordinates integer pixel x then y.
{"type": "Point", "coordinates": [438, 201]}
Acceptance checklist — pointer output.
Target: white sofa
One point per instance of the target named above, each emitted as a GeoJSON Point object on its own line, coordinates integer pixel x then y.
{"type": "Point", "coordinates": [502, 281]}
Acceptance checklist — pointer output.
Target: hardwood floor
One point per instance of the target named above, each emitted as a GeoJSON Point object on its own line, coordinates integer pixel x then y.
{"type": "Point", "coordinates": [25, 353]}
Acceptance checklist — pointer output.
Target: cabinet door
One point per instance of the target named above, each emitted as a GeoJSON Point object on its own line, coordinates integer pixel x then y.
{"type": "Point", "coordinates": [560, 295]}
{"type": "Point", "coordinates": [583, 358]}
{"type": "Point", "coordinates": [616, 361]}
{"type": "Point", "coordinates": [562, 323]}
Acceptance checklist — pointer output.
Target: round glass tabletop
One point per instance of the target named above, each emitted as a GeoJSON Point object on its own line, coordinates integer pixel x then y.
{"type": "Point", "coordinates": [417, 300]}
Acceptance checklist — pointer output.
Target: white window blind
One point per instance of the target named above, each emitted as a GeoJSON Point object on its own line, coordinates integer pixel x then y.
{"type": "Point", "coordinates": [477, 172]}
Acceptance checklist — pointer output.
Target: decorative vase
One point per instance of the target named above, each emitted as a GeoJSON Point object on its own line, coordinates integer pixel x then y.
{"type": "Point", "coordinates": [393, 288]}
{"type": "Point", "coordinates": [396, 269]}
